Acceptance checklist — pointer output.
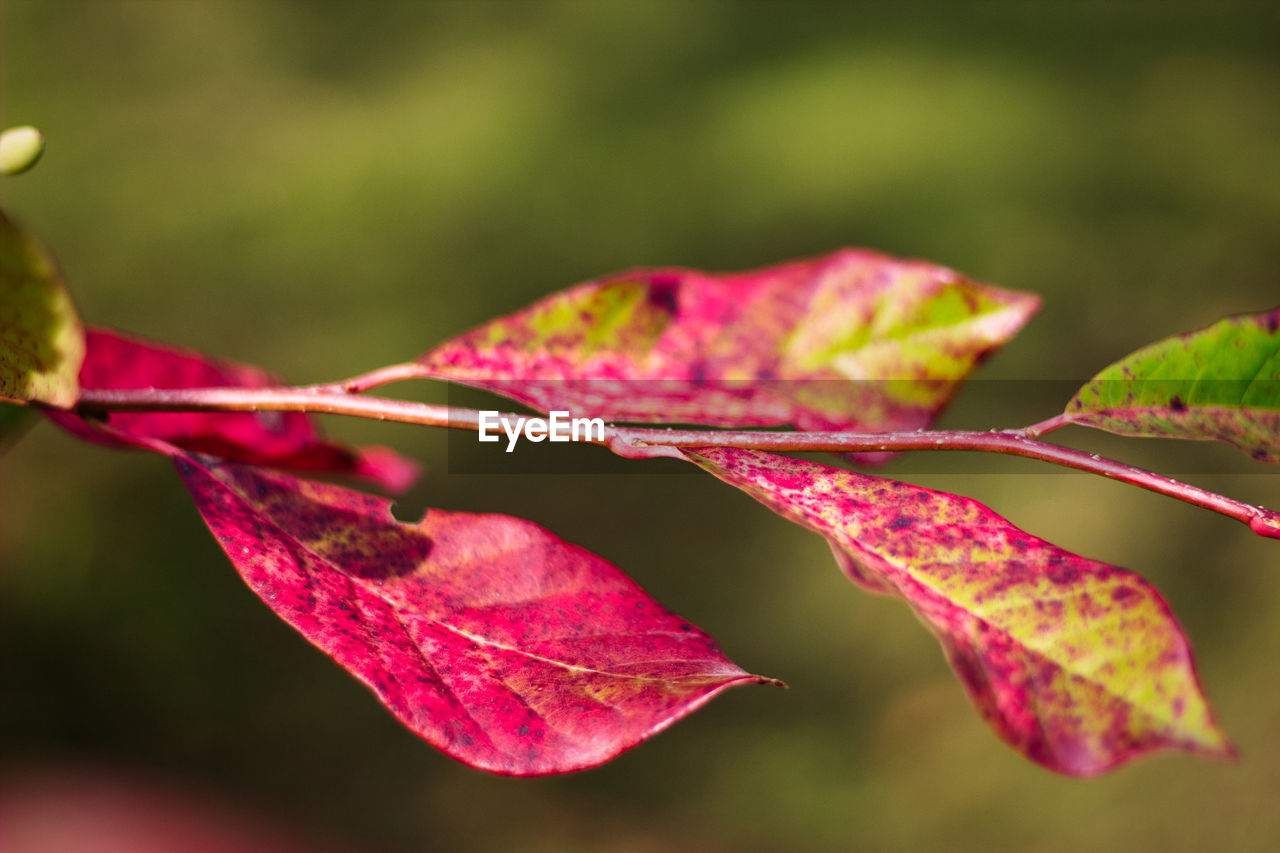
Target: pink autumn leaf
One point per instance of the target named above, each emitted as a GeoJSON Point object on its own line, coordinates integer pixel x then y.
{"type": "Point", "coordinates": [851, 341]}
{"type": "Point", "coordinates": [278, 439]}
{"type": "Point", "coordinates": [506, 647]}
{"type": "Point", "coordinates": [1077, 664]}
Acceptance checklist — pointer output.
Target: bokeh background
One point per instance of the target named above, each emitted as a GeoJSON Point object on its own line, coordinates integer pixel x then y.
{"type": "Point", "coordinates": [321, 188]}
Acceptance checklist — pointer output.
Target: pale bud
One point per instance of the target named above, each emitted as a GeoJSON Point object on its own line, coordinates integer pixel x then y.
{"type": "Point", "coordinates": [20, 148]}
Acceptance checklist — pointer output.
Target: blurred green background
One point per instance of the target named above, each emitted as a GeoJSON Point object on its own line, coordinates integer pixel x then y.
{"type": "Point", "coordinates": [322, 188]}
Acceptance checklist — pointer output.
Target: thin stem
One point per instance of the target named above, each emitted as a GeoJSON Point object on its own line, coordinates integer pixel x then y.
{"type": "Point", "coordinates": [1046, 426]}
{"type": "Point", "coordinates": [634, 442]}
{"type": "Point", "coordinates": [315, 399]}
{"type": "Point", "coordinates": [372, 379]}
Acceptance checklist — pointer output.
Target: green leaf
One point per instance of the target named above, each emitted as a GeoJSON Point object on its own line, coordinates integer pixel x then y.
{"type": "Point", "coordinates": [41, 339]}
{"type": "Point", "coordinates": [1221, 383]}
{"type": "Point", "coordinates": [1077, 664]}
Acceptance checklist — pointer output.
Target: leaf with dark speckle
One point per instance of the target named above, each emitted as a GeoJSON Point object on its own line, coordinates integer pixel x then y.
{"type": "Point", "coordinates": [1077, 664]}
{"type": "Point", "coordinates": [506, 647]}
{"type": "Point", "coordinates": [854, 340]}
{"type": "Point", "coordinates": [1220, 383]}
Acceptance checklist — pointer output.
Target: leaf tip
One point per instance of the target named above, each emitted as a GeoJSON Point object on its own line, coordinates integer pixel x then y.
{"type": "Point", "coordinates": [389, 469]}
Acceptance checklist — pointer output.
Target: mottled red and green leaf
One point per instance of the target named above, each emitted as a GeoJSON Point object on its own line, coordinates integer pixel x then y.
{"type": "Point", "coordinates": [1077, 664]}
{"type": "Point", "coordinates": [1222, 383]}
{"type": "Point", "coordinates": [501, 644]}
{"type": "Point", "coordinates": [853, 340]}
{"type": "Point", "coordinates": [41, 339]}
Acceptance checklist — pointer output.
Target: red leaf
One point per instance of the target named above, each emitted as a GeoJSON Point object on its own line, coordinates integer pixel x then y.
{"type": "Point", "coordinates": [1077, 664]}
{"type": "Point", "coordinates": [506, 647]}
{"type": "Point", "coordinates": [278, 439]}
{"type": "Point", "coordinates": [853, 340]}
